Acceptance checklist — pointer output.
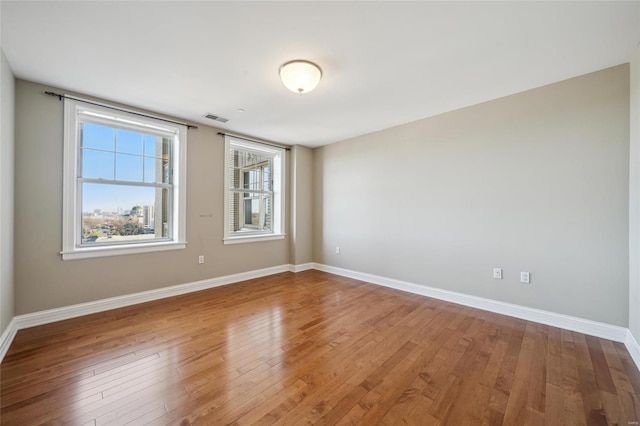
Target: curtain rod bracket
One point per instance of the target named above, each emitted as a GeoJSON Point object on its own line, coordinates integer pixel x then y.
{"type": "Point", "coordinates": [60, 97]}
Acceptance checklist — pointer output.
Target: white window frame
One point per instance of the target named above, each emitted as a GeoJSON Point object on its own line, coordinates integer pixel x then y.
{"type": "Point", "coordinates": [72, 206]}
{"type": "Point", "coordinates": [278, 214]}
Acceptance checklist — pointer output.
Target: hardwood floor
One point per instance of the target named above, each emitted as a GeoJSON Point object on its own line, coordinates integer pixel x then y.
{"type": "Point", "coordinates": [312, 348]}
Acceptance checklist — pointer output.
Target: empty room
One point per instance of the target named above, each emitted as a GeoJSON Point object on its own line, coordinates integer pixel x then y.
{"type": "Point", "coordinates": [419, 213]}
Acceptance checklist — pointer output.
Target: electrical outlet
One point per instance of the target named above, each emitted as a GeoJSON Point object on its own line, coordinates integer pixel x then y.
{"type": "Point", "coordinates": [200, 259]}
{"type": "Point", "coordinates": [525, 277]}
{"type": "Point", "coordinates": [337, 250]}
{"type": "Point", "coordinates": [497, 273]}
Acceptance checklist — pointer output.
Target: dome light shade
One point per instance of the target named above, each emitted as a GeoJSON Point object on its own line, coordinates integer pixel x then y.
{"type": "Point", "coordinates": [300, 76]}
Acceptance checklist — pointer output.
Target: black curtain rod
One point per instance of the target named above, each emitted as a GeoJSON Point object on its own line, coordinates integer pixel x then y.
{"type": "Point", "coordinates": [61, 97]}
{"type": "Point", "coordinates": [255, 140]}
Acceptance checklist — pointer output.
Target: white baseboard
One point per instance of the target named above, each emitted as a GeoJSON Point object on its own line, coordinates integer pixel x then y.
{"type": "Point", "coordinates": [632, 346]}
{"type": "Point", "coordinates": [301, 267]}
{"type": "Point", "coordinates": [7, 337]}
{"type": "Point", "coordinates": [592, 328]}
{"type": "Point", "coordinates": [59, 314]}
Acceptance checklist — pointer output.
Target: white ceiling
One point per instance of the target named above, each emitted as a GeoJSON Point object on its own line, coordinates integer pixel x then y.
{"type": "Point", "coordinates": [384, 63]}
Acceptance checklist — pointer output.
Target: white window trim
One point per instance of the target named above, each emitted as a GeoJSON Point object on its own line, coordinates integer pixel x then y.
{"type": "Point", "coordinates": [71, 211]}
{"type": "Point", "coordinates": [279, 173]}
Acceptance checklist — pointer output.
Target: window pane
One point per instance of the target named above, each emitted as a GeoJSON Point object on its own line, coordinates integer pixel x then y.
{"type": "Point", "coordinates": [246, 180]}
{"type": "Point", "coordinates": [266, 178]}
{"type": "Point", "coordinates": [162, 215]}
{"type": "Point", "coordinates": [156, 146]}
{"type": "Point", "coordinates": [150, 146]}
{"type": "Point", "coordinates": [97, 164]}
{"type": "Point", "coordinates": [97, 137]}
{"type": "Point", "coordinates": [129, 142]}
{"type": "Point", "coordinates": [252, 212]}
{"type": "Point", "coordinates": [249, 170]}
{"type": "Point", "coordinates": [234, 211]}
{"type": "Point", "coordinates": [129, 167]}
{"type": "Point", "coordinates": [156, 170]}
{"type": "Point", "coordinates": [246, 159]}
{"type": "Point", "coordinates": [165, 171]}
{"type": "Point", "coordinates": [118, 213]}
{"type": "Point", "coordinates": [244, 211]}
{"type": "Point", "coordinates": [251, 179]}
{"type": "Point", "coordinates": [267, 206]}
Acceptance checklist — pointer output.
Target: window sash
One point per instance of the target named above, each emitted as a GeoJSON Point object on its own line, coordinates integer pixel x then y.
{"type": "Point", "coordinates": [137, 128]}
{"type": "Point", "coordinates": [168, 212]}
{"type": "Point", "coordinates": [245, 226]}
{"type": "Point", "coordinates": [116, 121]}
{"type": "Point", "coordinates": [248, 193]}
{"type": "Point", "coordinates": [169, 219]}
{"type": "Point", "coordinates": [159, 154]}
{"type": "Point", "coordinates": [262, 199]}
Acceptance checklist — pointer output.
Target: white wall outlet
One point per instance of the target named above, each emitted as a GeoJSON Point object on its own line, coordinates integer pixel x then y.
{"type": "Point", "coordinates": [337, 250]}
{"type": "Point", "coordinates": [524, 277]}
{"type": "Point", "coordinates": [200, 259]}
{"type": "Point", "coordinates": [497, 273]}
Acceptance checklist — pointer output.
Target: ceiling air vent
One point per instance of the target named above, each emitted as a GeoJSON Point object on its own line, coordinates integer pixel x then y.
{"type": "Point", "coordinates": [216, 118]}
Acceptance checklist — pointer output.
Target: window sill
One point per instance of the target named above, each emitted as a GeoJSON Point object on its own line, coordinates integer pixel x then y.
{"type": "Point", "coordinates": [253, 238]}
{"type": "Point", "coordinates": [86, 253]}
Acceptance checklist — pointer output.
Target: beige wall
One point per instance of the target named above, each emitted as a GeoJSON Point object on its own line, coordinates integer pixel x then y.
{"type": "Point", "coordinates": [301, 205]}
{"type": "Point", "coordinates": [634, 198]}
{"type": "Point", "coordinates": [7, 83]}
{"type": "Point", "coordinates": [44, 281]}
{"type": "Point", "coordinates": [537, 182]}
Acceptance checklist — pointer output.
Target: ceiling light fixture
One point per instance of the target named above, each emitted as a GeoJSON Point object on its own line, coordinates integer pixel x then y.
{"type": "Point", "coordinates": [300, 76]}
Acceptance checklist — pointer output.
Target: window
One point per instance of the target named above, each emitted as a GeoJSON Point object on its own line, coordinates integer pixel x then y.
{"type": "Point", "coordinates": [124, 180]}
{"type": "Point", "coordinates": [254, 188]}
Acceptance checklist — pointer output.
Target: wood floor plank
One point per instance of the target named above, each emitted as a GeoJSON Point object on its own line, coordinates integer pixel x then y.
{"type": "Point", "coordinates": [554, 405]}
{"type": "Point", "coordinates": [591, 400]}
{"type": "Point", "coordinates": [624, 390]}
{"type": "Point", "coordinates": [312, 348]}
{"type": "Point", "coordinates": [572, 396]}
{"type": "Point", "coordinates": [601, 370]}
{"type": "Point", "coordinates": [516, 410]}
